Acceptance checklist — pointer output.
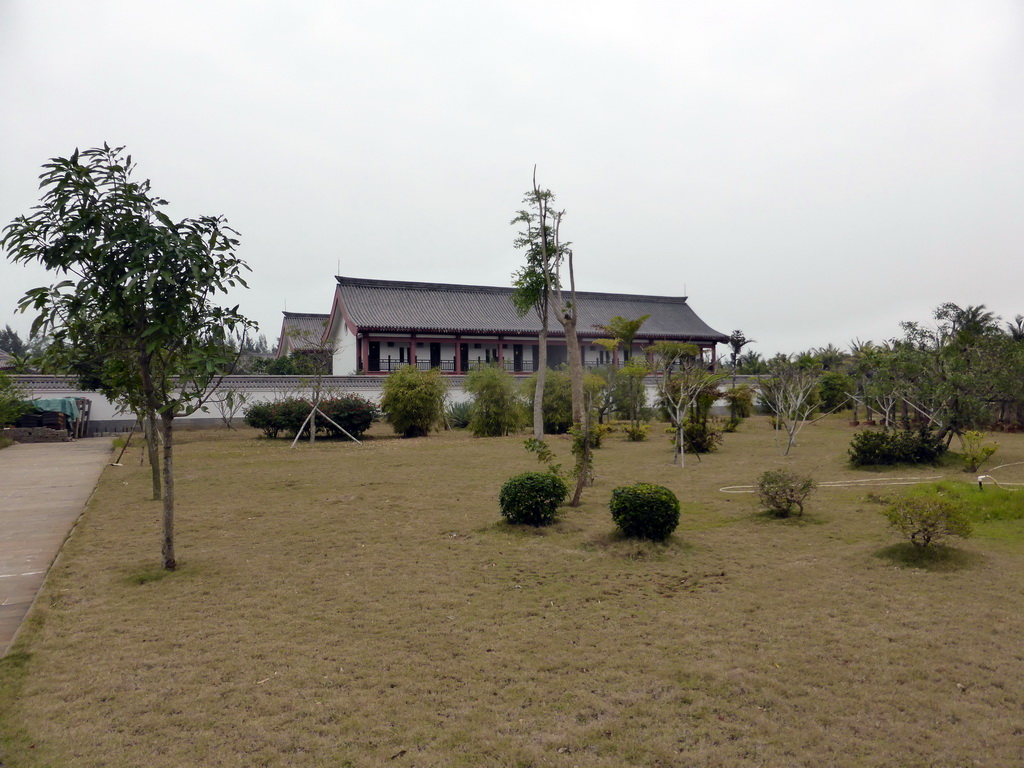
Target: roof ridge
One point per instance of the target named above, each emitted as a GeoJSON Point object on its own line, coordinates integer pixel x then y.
{"type": "Point", "coordinates": [424, 286]}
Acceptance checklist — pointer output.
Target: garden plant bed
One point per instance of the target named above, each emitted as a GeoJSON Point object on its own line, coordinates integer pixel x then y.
{"type": "Point", "coordinates": [364, 605]}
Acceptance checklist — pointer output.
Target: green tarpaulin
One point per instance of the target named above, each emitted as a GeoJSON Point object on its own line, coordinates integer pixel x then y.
{"type": "Point", "coordinates": [65, 405]}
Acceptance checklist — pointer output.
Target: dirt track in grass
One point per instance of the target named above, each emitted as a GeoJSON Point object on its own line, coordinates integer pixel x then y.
{"type": "Point", "coordinates": [363, 605]}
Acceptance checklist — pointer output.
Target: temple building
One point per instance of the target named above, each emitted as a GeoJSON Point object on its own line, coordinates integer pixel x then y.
{"type": "Point", "coordinates": [378, 326]}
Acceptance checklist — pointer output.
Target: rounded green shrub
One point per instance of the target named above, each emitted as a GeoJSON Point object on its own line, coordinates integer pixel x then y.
{"type": "Point", "coordinates": [353, 413]}
{"type": "Point", "coordinates": [645, 511]}
{"type": "Point", "coordinates": [260, 416]}
{"type": "Point", "coordinates": [413, 400]}
{"type": "Point", "coordinates": [928, 519]}
{"type": "Point", "coordinates": [532, 498]}
{"type": "Point", "coordinates": [497, 404]}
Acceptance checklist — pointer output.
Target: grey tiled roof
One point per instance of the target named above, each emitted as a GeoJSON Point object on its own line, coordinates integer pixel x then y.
{"type": "Point", "coordinates": [303, 330]}
{"type": "Point", "coordinates": [392, 305]}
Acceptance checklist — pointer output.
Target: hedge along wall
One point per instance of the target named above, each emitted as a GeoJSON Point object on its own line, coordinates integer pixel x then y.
{"type": "Point", "coordinates": [258, 389]}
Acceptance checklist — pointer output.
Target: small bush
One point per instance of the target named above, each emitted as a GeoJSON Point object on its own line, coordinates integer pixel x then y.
{"type": "Point", "coordinates": [258, 416]}
{"type": "Point", "coordinates": [597, 433]}
{"type": "Point", "coordinates": [928, 519]}
{"type": "Point", "coordinates": [885, 447]}
{"type": "Point", "coordinates": [645, 511]}
{"type": "Point", "coordinates": [701, 436]}
{"type": "Point", "coordinates": [741, 401]}
{"type": "Point", "coordinates": [352, 412]}
{"type": "Point", "coordinates": [636, 433]}
{"type": "Point", "coordinates": [557, 402]}
{"type": "Point", "coordinates": [459, 414]}
{"type": "Point", "coordinates": [13, 404]}
{"type": "Point", "coordinates": [413, 400]}
{"type": "Point", "coordinates": [781, 492]}
{"type": "Point", "coordinates": [975, 453]}
{"type": "Point", "coordinates": [532, 498]}
{"type": "Point", "coordinates": [497, 406]}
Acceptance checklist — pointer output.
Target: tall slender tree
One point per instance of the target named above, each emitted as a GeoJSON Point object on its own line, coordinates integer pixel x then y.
{"type": "Point", "coordinates": [140, 290]}
{"type": "Point", "coordinates": [540, 284]}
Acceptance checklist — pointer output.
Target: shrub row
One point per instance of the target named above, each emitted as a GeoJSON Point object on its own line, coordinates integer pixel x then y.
{"type": "Point", "coordinates": [355, 414]}
{"type": "Point", "coordinates": [871, 448]}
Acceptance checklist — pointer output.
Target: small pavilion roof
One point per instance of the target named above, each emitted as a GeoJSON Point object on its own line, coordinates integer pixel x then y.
{"type": "Point", "coordinates": [400, 306]}
{"type": "Point", "coordinates": [301, 330]}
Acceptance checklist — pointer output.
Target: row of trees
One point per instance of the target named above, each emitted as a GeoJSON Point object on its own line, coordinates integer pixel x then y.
{"type": "Point", "coordinates": [964, 370]}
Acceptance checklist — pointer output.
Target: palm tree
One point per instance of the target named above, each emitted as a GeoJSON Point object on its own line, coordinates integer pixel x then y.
{"type": "Point", "coordinates": [624, 331]}
{"type": "Point", "coordinates": [863, 357]}
{"type": "Point", "coordinates": [830, 357]}
{"type": "Point", "coordinates": [737, 341]}
{"type": "Point", "coordinates": [1015, 329]}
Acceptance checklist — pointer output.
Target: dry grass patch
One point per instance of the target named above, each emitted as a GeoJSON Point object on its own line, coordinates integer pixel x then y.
{"type": "Point", "coordinates": [365, 605]}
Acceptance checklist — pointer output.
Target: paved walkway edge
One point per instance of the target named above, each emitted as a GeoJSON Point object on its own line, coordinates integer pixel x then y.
{"type": "Point", "coordinates": [45, 489]}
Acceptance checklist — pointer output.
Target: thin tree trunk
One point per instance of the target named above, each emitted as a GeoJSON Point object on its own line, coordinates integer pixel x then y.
{"type": "Point", "coordinates": [581, 479]}
{"type": "Point", "coordinates": [575, 367]}
{"type": "Point", "coordinates": [168, 474]}
{"type": "Point", "coordinates": [542, 367]}
{"type": "Point", "coordinates": [153, 451]}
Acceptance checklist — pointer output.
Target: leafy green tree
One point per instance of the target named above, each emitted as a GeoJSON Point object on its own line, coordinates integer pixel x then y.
{"type": "Point", "coordinates": [413, 400]}
{"type": "Point", "coordinates": [497, 405]}
{"type": "Point", "coordinates": [949, 371]}
{"type": "Point", "coordinates": [140, 301]}
{"type": "Point", "coordinates": [547, 257]}
{"type": "Point", "coordinates": [835, 389]}
{"type": "Point", "coordinates": [533, 282]}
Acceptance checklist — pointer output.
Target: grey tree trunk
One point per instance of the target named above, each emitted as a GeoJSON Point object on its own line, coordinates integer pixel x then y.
{"type": "Point", "coordinates": [572, 344]}
{"type": "Point", "coordinates": [153, 451]}
{"type": "Point", "coordinates": [542, 367]}
{"type": "Point", "coordinates": [167, 550]}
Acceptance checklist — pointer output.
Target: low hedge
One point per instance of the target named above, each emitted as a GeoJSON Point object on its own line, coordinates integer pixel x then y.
{"type": "Point", "coordinates": [352, 412]}
{"type": "Point", "coordinates": [885, 448]}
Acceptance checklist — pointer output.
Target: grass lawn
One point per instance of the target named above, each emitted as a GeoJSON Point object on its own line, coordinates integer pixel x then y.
{"type": "Point", "coordinates": [344, 605]}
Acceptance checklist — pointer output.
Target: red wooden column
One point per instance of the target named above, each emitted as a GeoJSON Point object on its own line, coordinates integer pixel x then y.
{"type": "Point", "coordinates": [501, 352]}
{"type": "Point", "coordinates": [412, 349]}
{"type": "Point", "coordinates": [458, 354]}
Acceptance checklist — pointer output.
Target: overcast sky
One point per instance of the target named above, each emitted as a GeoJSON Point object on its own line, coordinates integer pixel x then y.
{"type": "Point", "coordinates": [808, 172]}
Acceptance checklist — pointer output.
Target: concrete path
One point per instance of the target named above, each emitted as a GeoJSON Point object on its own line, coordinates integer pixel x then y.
{"type": "Point", "coordinates": [44, 487]}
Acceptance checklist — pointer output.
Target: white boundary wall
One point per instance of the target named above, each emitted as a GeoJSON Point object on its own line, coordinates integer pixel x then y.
{"type": "Point", "coordinates": [105, 416]}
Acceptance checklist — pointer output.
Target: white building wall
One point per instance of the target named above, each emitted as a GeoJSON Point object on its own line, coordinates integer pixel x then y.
{"type": "Point", "coordinates": [345, 359]}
